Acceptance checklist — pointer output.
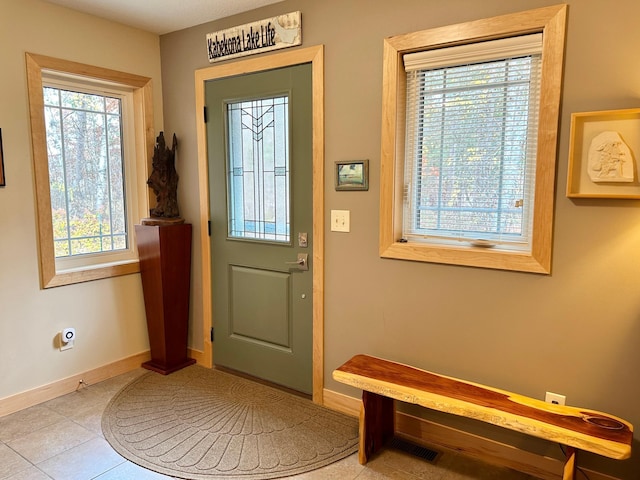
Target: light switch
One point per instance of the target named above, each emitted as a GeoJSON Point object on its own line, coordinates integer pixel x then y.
{"type": "Point", "coordinates": [340, 220]}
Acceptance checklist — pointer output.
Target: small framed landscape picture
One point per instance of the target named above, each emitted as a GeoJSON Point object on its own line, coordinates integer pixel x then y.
{"type": "Point", "coordinates": [352, 175]}
{"type": "Point", "coordinates": [2, 180]}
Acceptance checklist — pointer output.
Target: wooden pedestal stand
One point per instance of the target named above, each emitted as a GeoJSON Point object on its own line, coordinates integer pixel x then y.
{"type": "Point", "coordinates": [165, 266]}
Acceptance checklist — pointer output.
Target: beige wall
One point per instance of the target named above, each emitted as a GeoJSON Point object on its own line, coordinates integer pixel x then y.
{"type": "Point", "coordinates": [574, 332]}
{"type": "Point", "coordinates": [108, 314]}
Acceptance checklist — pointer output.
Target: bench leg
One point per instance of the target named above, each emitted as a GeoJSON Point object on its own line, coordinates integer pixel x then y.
{"type": "Point", "coordinates": [570, 465]}
{"type": "Point", "coordinates": [377, 421]}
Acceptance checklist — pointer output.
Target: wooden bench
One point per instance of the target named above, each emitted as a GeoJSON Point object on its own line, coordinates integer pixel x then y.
{"type": "Point", "coordinates": [382, 382]}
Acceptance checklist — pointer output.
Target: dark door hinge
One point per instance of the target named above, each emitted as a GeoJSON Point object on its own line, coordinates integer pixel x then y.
{"type": "Point", "coordinates": [206, 117]}
{"type": "Point", "coordinates": [212, 336]}
{"type": "Point", "coordinates": [209, 227]}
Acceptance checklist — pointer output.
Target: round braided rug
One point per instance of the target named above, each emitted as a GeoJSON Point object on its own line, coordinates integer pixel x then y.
{"type": "Point", "coordinates": [204, 424]}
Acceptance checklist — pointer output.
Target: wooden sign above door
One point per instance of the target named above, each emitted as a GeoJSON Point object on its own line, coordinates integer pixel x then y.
{"type": "Point", "coordinates": [265, 35]}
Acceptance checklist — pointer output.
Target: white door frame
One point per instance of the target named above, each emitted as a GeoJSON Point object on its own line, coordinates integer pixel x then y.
{"type": "Point", "coordinates": [315, 56]}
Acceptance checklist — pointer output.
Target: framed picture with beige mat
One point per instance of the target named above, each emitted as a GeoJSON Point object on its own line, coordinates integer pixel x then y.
{"type": "Point", "coordinates": [603, 154]}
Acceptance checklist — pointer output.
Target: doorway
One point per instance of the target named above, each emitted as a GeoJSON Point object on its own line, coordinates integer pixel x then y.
{"type": "Point", "coordinates": [314, 57]}
{"type": "Point", "coordinates": [259, 143]}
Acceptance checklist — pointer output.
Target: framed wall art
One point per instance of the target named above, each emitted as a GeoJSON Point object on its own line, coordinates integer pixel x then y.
{"type": "Point", "coordinates": [603, 154]}
{"type": "Point", "coordinates": [2, 178]}
{"type": "Point", "coordinates": [352, 175]}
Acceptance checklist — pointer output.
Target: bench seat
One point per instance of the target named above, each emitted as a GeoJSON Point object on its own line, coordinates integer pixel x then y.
{"type": "Point", "coordinates": [383, 381]}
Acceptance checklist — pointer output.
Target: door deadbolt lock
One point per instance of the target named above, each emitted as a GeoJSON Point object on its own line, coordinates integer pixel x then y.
{"type": "Point", "coordinates": [302, 262]}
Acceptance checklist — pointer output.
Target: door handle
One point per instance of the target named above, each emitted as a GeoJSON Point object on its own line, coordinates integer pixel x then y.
{"type": "Point", "coordinates": [302, 262]}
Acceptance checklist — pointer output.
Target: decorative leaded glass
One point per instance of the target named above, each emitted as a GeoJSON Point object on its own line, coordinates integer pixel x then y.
{"type": "Point", "coordinates": [258, 169]}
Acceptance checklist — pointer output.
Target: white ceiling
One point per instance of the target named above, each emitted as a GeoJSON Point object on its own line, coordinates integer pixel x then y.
{"type": "Point", "coordinates": [163, 16]}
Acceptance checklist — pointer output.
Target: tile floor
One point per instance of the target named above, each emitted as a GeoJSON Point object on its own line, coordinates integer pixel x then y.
{"type": "Point", "coordinates": [62, 440]}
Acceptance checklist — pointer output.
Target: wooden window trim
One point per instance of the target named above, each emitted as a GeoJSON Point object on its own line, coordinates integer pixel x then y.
{"type": "Point", "coordinates": [144, 144]}
{"type": "Point", "coordinates": [551, 21]}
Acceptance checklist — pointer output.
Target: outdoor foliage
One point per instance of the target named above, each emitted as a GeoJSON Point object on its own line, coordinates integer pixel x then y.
{"type": "Point", "coordinates": [470, 148]}
{"type": "Point", "coordinates": [84, 142]}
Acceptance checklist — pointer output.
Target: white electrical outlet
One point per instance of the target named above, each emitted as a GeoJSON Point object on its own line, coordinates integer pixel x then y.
{"type": "Point", "coordinates": [555, 398]}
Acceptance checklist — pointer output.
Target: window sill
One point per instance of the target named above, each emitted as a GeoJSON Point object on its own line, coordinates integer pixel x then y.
{"type": "Point", "coordinates": [467, 256]}
{"type": "Point", "coordinates": [87, 274]}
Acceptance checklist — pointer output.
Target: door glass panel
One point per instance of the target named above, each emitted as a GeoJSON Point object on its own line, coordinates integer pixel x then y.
{"type": "Point", "coordinates": [258, 169]}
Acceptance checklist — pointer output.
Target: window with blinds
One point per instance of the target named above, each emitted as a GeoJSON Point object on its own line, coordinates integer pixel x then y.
{"type": "Point", "coordinates": [471, 143]}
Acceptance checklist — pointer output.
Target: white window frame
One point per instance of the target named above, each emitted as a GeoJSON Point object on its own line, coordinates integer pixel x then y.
{"type": "Point", "coordinates": [478, 56]}
{"type": "Point", "coordinates": [550, 21]}
{"type": "Point", "coordinates": [138, 142]}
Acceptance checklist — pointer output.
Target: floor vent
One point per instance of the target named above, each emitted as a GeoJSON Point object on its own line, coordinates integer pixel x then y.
{"type": "Point", "coordinates": [412, 449]}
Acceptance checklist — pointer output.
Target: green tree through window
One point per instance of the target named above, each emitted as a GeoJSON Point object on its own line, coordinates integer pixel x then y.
{"type": "Point", "coordinates": [84, 145]}
{"type": "Point", "coordinates": [92, 138]}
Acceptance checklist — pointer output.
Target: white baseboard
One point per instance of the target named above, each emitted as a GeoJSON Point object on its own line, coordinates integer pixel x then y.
{"type": "Point", "coordinates": [58, 388]}
{"type": "Point", "coordinates": [438, 436]}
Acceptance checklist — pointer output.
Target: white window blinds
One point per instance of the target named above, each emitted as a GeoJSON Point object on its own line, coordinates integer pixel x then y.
{"type": "Point", "coordinates": [472, 115]}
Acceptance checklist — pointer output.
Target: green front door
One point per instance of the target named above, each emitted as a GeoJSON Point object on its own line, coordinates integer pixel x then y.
{"type": "Point", "coordinates": [259, 140]}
